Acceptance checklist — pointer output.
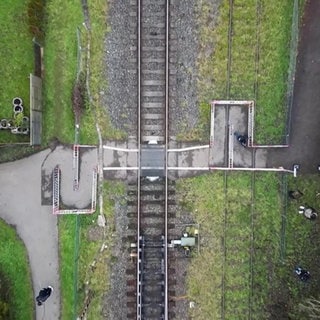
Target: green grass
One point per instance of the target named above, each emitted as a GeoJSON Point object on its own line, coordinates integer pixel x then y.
{"type": "Point", "coordinates": [203, 289]}
{"type": "Point", "coordinates": [251, 241]}
{"type": "Point", "coordinates": [266, 235]}
{"type": "Point", "coordinates": [267, 30]}
{"type": "Point", "coordinates": [242, 71]}
{"type": "Point", "coordinates": [60, 61]}
{"type": "Point", "coordinates": [237, 243]}
{"type": "Point", "coordinates": [68, 233]}
{"type": "Point", "coordinates": [16, 61]}
{"type": "Point", "coordinates": [97, 278]}
{"type": "Point", "coordinates": [302, 243]}
{"type": "Point", "coordinates": [15, 270]}
{"type": "Point", "coordinates": [78, 254]}
{"type": "Point", "coordinates": [275, 26]}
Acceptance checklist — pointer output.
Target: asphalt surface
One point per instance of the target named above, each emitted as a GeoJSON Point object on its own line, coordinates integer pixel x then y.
{"type": "Point", "coordinates": [305, 135]}
{"type": "Point", "coordinates": [26, 203]}
{"type": "Point", "coordinates": [20, 205]}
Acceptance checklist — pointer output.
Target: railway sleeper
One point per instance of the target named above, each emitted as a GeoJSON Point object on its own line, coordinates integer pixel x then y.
{"type": "Point", "coordinates": [152, 265]}
{"type": "Point", "coordinates": [156, 209]}
{"type": "Point", "coordinates": [151, 186]}
{"type": "Point", "coordinates": [130, 271]}
{"type": "Point", "coordinates": [153, 314]}
{"type": "Point", "coordinates": [153, 297]}
{"type": "Point", "coordinates": [154, 122]}
{"type": "Point", "coordinates": [153, 294]}
{"type": "Point", "coordinates": [132, 191]}
{"type": "Point", "coordinates": [151, 221]}
{"type": "Point", "coordinates": [154, 229]}
{"type": "Point", "coordinates": [154, 82]}
{"type": "Point", "coordinates": [131, 304]}
{"type": "Point", "coordinates": [132, 315]}
{"type": "Point", "coordinates": [152, 285]}
{"type": "Point", "coordinates": [150, 137]}
{"type": "Point", "coordinates": [148, 93]}
{"type": "Point", "coordinates": [157, 193]}
{"type": "Point", "coordinates": [150, 245]}
{"type": "Point", "coordinates": [153, 274]}
{"type": "Point", "coordinates": [152, 256]}
{"type": "Point", "coordinates": [152, 196]}
{"type": "Point", "coordinates": [131, 294]}
{"type": "Point", "coordinates": [152, 116]}
{"type": "Point", "coordinates": [132, 202]}
{"type": "Point", "coordinates": [150, 215]}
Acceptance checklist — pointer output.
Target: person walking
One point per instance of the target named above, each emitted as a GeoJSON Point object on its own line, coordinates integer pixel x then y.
{"type": "Point", "coordinates": [308, 212]}
{"type": "Point", "coordinates": [242, 139]}
{"type": "Point", "coordinates": [303, 274]}
{"type": "Point", "coordinates": [43, 295]}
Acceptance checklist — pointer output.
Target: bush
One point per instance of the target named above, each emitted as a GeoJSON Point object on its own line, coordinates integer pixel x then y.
{"type": "Point", "coordinates": [79, 97]}
{"type": "Point", "coordinates": [36, 12]}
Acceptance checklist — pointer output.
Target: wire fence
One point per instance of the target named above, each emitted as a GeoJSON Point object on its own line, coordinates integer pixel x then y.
{"type": "Point", "coordinates": [292, 66]}
{"type": "Point", "coordinates": [83, 33]}
{"type": "Point", "coordinates": [289, 101]}
{"type": "Point", "coordinates": [284, 209]}
{"type": "Point", "coordinates": [81, 63]}
{"type": "Point", "coordinates": [76, 267]}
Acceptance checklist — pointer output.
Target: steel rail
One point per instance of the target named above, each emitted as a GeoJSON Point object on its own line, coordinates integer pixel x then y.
{"type": "Point", "coordinates": [166, 164]}
{"type": "Point", "coordinates": [139, 295]}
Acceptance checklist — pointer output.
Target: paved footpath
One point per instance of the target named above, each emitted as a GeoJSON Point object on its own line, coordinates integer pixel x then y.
{"type": "Point", "coordinates": [20, 205]}
{"type": "Point", "coordinates": [305, 134]}
{"type": "Point", "coordinates": [25, 202]}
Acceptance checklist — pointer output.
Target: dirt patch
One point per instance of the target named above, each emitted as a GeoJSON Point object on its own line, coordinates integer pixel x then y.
{"type": "Point", "coordinates": [95, 233]}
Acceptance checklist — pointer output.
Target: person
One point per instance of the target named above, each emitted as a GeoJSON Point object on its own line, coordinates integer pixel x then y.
{"type": "Point", "coordinates": [295, 194]}
{"type": "Point", "coordinates": [43, 295]}
{"type": "Point", "coordinates": [308, 212]}
{"type": "Point", "coordinates": [304, 275]}
{"type": "Point", "coordinates": [242, 139]}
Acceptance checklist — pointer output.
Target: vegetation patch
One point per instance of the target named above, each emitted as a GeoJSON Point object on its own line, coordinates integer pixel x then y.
{"type": "Point", "coordinates": [96, 257]}
{"type": "Point", "coordinates": [16, 294]}
{"type": "Point", "coordinates": [252, 238]}
{"type": "Point", "coordinates": [257, 67]}
{"type": "Point", "coordinates": [68, 249]}
{"type": "Point", "coordinates": [97, 78]}
{"type": "Point", "coordinates": [60, 61]}
{"type": "Point", "coordinates": [36, 18]}
{"type": "Point", "coordinates": [16, 61]}
{"type": "Point", "coordinates": [85, 251]}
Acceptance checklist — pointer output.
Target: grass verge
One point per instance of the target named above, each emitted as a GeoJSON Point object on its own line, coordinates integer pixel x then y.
{"type": "Point", "coordinates": [96, 253]}
{"type": "Point", "coordinates": [68, 233]}
{"type": "Point", "coordinates": [60, 60]}
{"type": "Point", "coordinates": [84, 258]}
{"type": "Point", "coordinates": [16, 61]}
{"type": "Point", "coordinates": [258, 75]}
{"type": "Point", "coordinates": [17, 296]}
{"type": "Point", "coordinates": [240, 270]}
{"type": "Point", "coordinates": [97, 80]}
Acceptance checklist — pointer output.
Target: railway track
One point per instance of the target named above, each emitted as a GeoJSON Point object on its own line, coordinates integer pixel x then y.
{"type": "Point", "coordinates": [148, 199]}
